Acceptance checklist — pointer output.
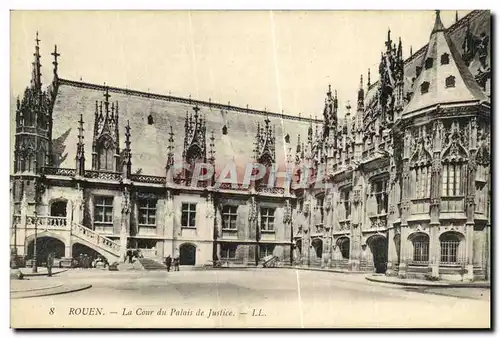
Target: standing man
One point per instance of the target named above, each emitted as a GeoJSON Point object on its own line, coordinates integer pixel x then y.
{"type": "Point", "coordinates": [176, 263]}
{"type": "Point", "coordinates": [50, 263]}
{"type": "Point", "coordinates": [168, 262]}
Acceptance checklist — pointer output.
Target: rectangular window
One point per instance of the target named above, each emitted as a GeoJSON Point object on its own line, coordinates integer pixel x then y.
{"type": "Point", "coordinates": [346, 199]}
{"type": "Point", "coordinates": [452, 174]}
{"type": "Point", "coordinates": [429, 177]}
{"type": "Point", "coordinates": [267, 219]}
{"type": "Point", "coordinates": [457, 179]}
{"type": "Point", "coordinates": [320, 202]}
{"type": "Point", "coordinates": [147, 212]}
{"type": "Point", "coordinates": [188, 219]}
{"type": "Point", "coordinates": [228, 251]}
{"type": "Point", "coordinates": [449, 252]}
{"type": "Point", "coordinates": [229, 217]}
{"type": "Point", "coordinates": [421, 251]}
{"type": "Point", "coordinates": [266, 250]}
{"type": "Point", "coordinates": [103, 211]}
{"type": "Point", "coordinates": [381, 196]}
{"type": "Point", "coordinates": [451, 180]}
{"type": "Point", "coordinates": [106, 159]}
{"type": "Point", "coordinates": [445, 180]}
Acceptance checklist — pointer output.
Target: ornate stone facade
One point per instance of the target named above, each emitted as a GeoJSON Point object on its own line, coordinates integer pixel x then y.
{"type": "Point", "coordinates": [405, 179]}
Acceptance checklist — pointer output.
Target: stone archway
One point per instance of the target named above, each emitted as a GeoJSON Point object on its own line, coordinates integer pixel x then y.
{"type": "Point", "coordinates": [44, 246]}
{"type": "Point", "coordinates": [317, 245]}
{"type": "Point", "coordinates": [378, 247]}
{"type": "Point", "coordinates": [187, 254]}
{"type": "Point", "coordinates": [343, 243]}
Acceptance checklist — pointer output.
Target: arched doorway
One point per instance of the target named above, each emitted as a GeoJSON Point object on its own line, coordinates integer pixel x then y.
{"type": "Point", "coordinates": [45, 245]}
{"type": "Point", "coordinates": [58, 208]}
{"type": "Point", "coordinates": [378, 247]}
{"type": "Point", "coordinates": [343, 243]}
{"type": "Point", "coordinates": [317, 244]}
{"type": "Point", "coordinates": [187, 254]}
{"type": "Point", "coordinates": [84, 255]}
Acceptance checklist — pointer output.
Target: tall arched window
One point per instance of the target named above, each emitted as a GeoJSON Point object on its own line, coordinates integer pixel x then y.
{"type": "Point", "coordinates": [450, 244]}
{"type": "Point", "coordinates": [106, 155]}
{"type": "Point", "coordinates": [452, 175]}
{"type": "Point", "coordinates": [422, 187]}
{"type": "Point", "coordinates": [420, 248]}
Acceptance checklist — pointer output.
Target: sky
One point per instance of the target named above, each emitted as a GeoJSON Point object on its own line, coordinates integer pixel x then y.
{"type": "Point", "coordinates": [278, 61]}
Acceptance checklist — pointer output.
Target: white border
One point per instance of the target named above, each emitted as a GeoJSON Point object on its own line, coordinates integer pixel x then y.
{"type": "Point", "coordinates": [177, 4]}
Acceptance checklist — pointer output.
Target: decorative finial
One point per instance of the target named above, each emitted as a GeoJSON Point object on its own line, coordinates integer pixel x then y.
{"type": "Point", "coordinates": [106, 93]}
{"type": "Point", "coordinates": [369, 81]}
{"type": "Point", "coordinates": [37, 40]}
{"type": "Point", "coordinates": [456, 16]}
{"type": "Point", "coordinates": [438, 25]}
{"type": "Point", "coordinates": [55, 54]}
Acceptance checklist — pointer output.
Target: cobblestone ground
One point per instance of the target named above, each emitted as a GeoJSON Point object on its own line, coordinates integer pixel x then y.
{"type": "Point", "coordinates": [248, 298]}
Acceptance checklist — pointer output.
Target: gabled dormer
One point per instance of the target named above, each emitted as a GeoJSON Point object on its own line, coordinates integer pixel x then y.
{"type": "Point", "coordinates": [106, 142]}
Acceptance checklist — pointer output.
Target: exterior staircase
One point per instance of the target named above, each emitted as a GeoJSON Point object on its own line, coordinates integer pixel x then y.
{"type": "Point", "coordinates": [151, 264]}
{"type": "Point", "coordinates": [105, 246]}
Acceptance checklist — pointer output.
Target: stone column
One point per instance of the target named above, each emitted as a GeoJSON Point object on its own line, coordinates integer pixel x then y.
{"type": "Point", "coordinates": [392, 252]}
{"type": "Point", "coordinates": [470, 201]}
{"type": "Point", "coordinates": [436, 187]}
{"type": "Point", "coordinates": [125, 222]}
{"type": "Point", "coordinates": [218, 232]}
{"type": "Point", "coordinates": [306, 239]}
{"type": "Point", "coordinates": [68, 250]}
{"type": "Point", "coordinates": [357, 204]}
{"type": "Point", "coordinates": [434, 251]}
{"type": "Point", "coordinates": [405, 211]}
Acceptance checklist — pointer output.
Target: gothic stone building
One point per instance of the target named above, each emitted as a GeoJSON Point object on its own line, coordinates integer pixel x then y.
{"type": "Point", "coordinates": [405, 179]}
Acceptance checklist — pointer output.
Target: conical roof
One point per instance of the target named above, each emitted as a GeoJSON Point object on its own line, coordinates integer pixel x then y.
{"type": "Point", "coordinates": [444, 77]}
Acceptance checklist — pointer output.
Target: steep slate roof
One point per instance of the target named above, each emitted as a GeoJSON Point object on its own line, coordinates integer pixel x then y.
{"type": "Point", "coordinates": [479, 22]}
{"type": "Point", "coordinates": [150, 142]}
{"type": "Point", "coordinates": [465, 87]}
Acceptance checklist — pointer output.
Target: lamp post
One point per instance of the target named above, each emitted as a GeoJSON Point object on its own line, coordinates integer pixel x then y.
{"type": "Point", "coordinates": [35, 267]}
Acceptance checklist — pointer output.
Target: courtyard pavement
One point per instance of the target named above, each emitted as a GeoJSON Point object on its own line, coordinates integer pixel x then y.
{"type": "Point", "coordinates": [246, 298]}
{"type": "Point", "coordinates": [422, 282]}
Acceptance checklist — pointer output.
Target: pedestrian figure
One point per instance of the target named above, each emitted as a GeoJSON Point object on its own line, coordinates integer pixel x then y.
{"type": "Point", "coordinates": [81, 261]}
{"type": "Point", "coordinates": [50, 263]}
{"type": "Point", "coordinates": [168, 262]}
{"type": "Point", "coordinates": [176, 263]}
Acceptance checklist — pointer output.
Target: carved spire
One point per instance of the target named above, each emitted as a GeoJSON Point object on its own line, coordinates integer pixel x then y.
{"type": "Point", "coordinates": [194, 139]}
{"type": "Point", "coordinates": [106, 101]}
{"type": "Point", "coordinates": [369, 80]}
{"type": "Point", "coordinates": [388, 43]}
{"type": "Point", "coordinates": [55, 54]}
{"type": "Point", "coordinates": [456, 16]}
{"type": "Point", "coordinates": [36, 79]}
{"type": "Point", "coordinates": [361, 96]}
{"type": "Point", "coordinates": [265, 143]}
{"type": "Point", "coordinates": [329, 112]}
{"type": "Point", "coordinates": [106, 134]}
{"type": "Point", "coordinates": [298, 152]}
{"type": "Point", "coordinates": [170, 154]}
{"type": "Point", "coordinates": [400, 50]}
{"type": "Point", "coordinates": [211, 152]}
{"type": "Point", "coordinates": [80, 149]}
{"type": "Point", "coordinates": [438, 24]}
{"type": "Point", "coordinates": [127, 154]}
